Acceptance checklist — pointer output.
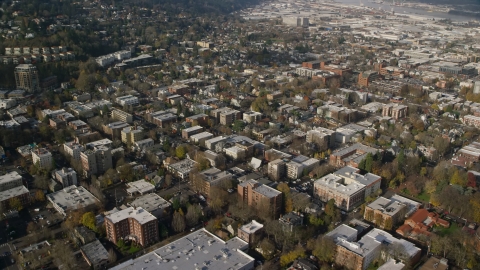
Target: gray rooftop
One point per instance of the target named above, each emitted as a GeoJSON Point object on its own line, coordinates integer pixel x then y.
{"type": "Point", "coordinates": [198, 250]}
{"type": "Point", "coordinates": [95, 252]}
{"type": "Point", "coordinates": [150, 202]}
{"type": "Point", "coordinates": [72, 197]}
{"type": "Point", "coordinates": [13, 192]}
{"type": "Point", "coordinates": [343, 232]}
{"type": "Point", "coordinates": [9, 177]}
{"type": "Point", "coordinates": [394, 204]}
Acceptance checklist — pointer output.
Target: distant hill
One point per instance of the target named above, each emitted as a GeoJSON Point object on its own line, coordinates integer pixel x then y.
{"type": "Point", "coordinates": [204, 6]}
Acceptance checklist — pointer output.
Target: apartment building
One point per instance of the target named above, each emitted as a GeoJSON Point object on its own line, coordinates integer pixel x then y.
{"type": "Point", "coordinates": [182, 168]}
{"type": "Point", "coordinates": [226, 116]}
{"type": "Point", "coordinates": [300, 165]}
{"type": "Point", "coordinates": [152, 203]}
{"type": "Point", "coordinates": [73, 149]}
{"type": "Point", "coordinates": [471, 120]}
{"type": "Point", "coordinates": [127, 100]}
{"type": "Point", "coordinates": [42, 157]}
{"type": "Point", "coordinates": [250, 232]}
{"type": "Point", "coordinates": [261, 197]}
{"type": "Point", "coordinates": [130, 135]}
{"type": "Point", "coordinates": [277, 169]}
{"type": "Point", "coordinates": [347, 187]}
{"type": "Point", "coordinates": [395, 110]}
{"type": "Point", "coordinates": [26, 78]}
{"type": "Point", "coordinates": [133, 223]}
{"type": "Point", "coordinates": [375, 244]}
{"type": "Point", "coordinates": [351, 155]}
{"type": "Point", "coordinates": [210, 178]}
{"type": "Point", "coordinates": [366, 77]}
{"type": "Point", "coordinates": [386, 213]}
{"type": "Point", "coordinates": [186, 133]}
{"type": "Point", "coordinates": [10, 180]}
{"type": "Point", "coordinates": [97, 160]}
{"type": "Point", "coordinates": [67, 177]}
{"type": "Point", "coordinates": [115, 129]}
{"type": "Point", "coordinates": [19, 192]}
{"type": "Point", "coordinates": [120, 115]}
{"type": "Point", "coordinates": [324, 138]}
{"type": "Point", "coordinates": [197, 120]}
{"type": "Point", "coordinates": [252, 117]}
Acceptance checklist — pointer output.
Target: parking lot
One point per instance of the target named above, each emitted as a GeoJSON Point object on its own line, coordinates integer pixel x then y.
{"type": "Point", "coordinates": [45, 217]}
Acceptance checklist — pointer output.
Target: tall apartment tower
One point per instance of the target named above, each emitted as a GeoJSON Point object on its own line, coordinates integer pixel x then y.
{"type": "Point", "coordinates": [26, 77]}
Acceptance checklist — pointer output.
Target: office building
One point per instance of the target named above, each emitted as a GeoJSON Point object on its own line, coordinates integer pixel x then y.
{"type": "Point", "coordinates": [203, 250]}
{"type": "Point", "coordinates": [132, 223]}
{"type": "Point", "coordinates": [26, 78]}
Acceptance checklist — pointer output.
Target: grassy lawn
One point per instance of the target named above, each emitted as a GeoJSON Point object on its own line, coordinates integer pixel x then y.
{"type": "Point", "coordinates": [424, 197]}
{"type": "Point", "coordinates": [133, 249]}
{"type": "Point", "coordinates": [447, 231]}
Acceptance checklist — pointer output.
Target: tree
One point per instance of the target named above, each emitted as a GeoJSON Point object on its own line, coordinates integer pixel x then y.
{"type": "Point", "coordinates": [287, 199]}
{"type": "Point", "coordinates": [288, 258]}
{"type": "Point", "coordinates": [39, 196]}
{"type": "Point", "coordinates": [268, 248]}
{"type": "Point", "coordinates": [168, 180]}
{"type": "Point", "coordinates": [330, 208]}
{"type": "Point", "coordinates": [112, 255]}
{"type": "Point", "coordinates": [193, 215]}
{"type": "Point", "coordinates": [15, 203]}
{"type": "Point", "coordinates": [324, 249]}
{"type": "Point", "coordinates": [369, 162]}
{"type": "Point", "coordinates": [369, 215]}
{"type": "Point", "coordinates": [181, 151]}
{"type": "Point", "coordinates": [89, 221]}
{"type": "Point", "coordinates": [178, 222]}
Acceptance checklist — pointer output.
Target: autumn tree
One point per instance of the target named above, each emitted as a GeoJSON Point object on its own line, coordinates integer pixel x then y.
{"type": "Point", "coordinates": [39, 196]}
{"type": "Point", "coordinates": [324, 249]}
{"type": "Point", "coordinates": [287, 198]}
{"type": "Point", "coordinates": [178, 222]}
{"type": "Point", "coordinates": [89, 221]}
{"type": "Point", "coordinates": [268, 248]}
{"type": "Point", "coordinates": [15, 203]}
{"type": "Point", "coordinates": [194, 212]}
{"type": "Point", "coordinates": [112, 255]}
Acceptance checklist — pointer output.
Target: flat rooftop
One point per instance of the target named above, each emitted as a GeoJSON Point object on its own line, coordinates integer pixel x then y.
{"type": "Point", "coordinates": [141, 215]}
{"type": "Point", "coordinates": [198, 250]}
{"type": "Point", "coordinates": [252, 227]}
{"type": "Point", "coordinates": [72, 197]}
{"type": "Point", "coordinates": [337, 183]}
{"type": "Point", "coordinates": [9, 177]}
{"type": "Point", "coordinates": [95, 252]}
{"type": "Point", "coordinates": [150, 202]}
{"type": "Point", "coordinates": [13, 192]}
{"type": "Point", "coordinates": [140, 186]}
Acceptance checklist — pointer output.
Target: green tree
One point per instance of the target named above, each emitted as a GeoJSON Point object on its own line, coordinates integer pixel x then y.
{"type": "Point", "coordinates": [369, 162]}
{"type": "Point", "coordinates": [238, 125]}
{"type": "Point", "coordinates": [330, 208]}
{"type": "Point", "coordinates": [324, 249]}
{"type": "Point", "coordinates": [401, 160]}
{"type": "Point", "coordinates": [89, 221]}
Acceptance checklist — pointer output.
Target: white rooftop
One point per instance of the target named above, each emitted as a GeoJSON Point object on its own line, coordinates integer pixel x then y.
{"type": "Point", "coordinates": [251, 227]}
{"type": "Point", "coordinates": [140, 186]}
{"type": "Point", "coordinates": [11, 176]}
{"type": "Point", "coordinates": [13, 192]}
{"type": "Point", "coordinates": [72, 197]}
{"type": "Point", "coordinates": [198, 250]}
{"type": "Point", "coordinates": [150, 202]}
{"type": "Point", "coordinates": [139, 214]}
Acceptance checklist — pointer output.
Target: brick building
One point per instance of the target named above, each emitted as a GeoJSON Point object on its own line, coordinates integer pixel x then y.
{"type": "Point", "coordinates": [135, 224]}
{"type": "Point", "coordinates": [261, 197]}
